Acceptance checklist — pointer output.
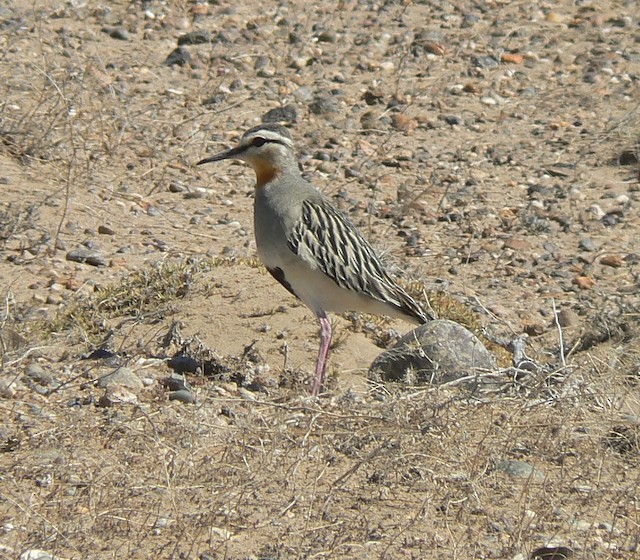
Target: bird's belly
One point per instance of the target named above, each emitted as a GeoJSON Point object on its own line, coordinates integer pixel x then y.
{"type": "Point", "coordinates": [318, 291]}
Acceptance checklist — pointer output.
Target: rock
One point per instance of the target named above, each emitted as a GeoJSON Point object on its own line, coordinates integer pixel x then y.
{"type": "Point", "coordinates": [484, 62]}
{"type": "Point", "coordinates": [322, 106]}
{"type": "Point", "coordinates": [552, 553]}
{"type": "Point", "coordinates": [437, 352]}
{"type": "Point", "coordinates": [35, 372]}
{"type": "Point", "coordinates": [122, 376]}
{"type": "Point", "coordinates": [116, 33]}
{"type": "Point", "coordinates": [614, 261]}
{"type": "Point", "coordinates": [176, 382]}
{"type": "Point", "coordinates": [568, 318]}
{"type": "Point", "coordinates": [179, 57]}
{"type": "Point", "coordinates": [35, 554]}
{"type": "Point", "coordinates": [288, 113]}
{"type": "Point", "coordinates": [117, 394]}
{"type": "Point", "coordinates": [520, 469]}
{"type": "Point", "coordinates": [105, 230]}
{"type": "Point", "coordinates": [183, 396]}
{"type": "Point", "coordinates": [587, 244]}
{"type": "Point", "coordinates": [86, 255]}
{"type": "Point", "coordinates": [194, 38]}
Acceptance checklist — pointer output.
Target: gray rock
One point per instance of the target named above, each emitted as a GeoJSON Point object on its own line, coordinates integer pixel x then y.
{"type": "Point", "coordinates": [123, 376]}
{"type": "Point", "coordinates": [176, 382]}
{"type": "Point", "coordinates": [86, 255]}
{"type": "Point", "coordinates": [323, 105]}
{"type": "Point", "coordinates": [437, 352]}
{"type": "Point", "coordinates": [288, 113]}
{"type": "Point", "coordinates": [179, 57]}
{"type": "Point", "coordinates": [35, 554]}
{"type": "Point", "coordinates": [194, 38]}
{"type": "Point", "coordinates": [520, 469]}
{"type": "Point", "coordinates": [183, 396]}
{"type": "Point", "coordinates": [119, 33]}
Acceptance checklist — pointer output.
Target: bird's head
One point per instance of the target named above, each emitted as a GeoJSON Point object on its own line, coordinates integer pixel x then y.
{"type": "Point", "coordinates": [268, 149]}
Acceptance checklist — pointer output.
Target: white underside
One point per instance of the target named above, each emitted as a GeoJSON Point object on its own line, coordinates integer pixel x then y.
{"type": "Point", "coordinates": [320, 293]}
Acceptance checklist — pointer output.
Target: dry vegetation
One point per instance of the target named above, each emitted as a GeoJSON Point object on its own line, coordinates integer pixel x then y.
{"type": "Point", "coordinates": [508, 191]}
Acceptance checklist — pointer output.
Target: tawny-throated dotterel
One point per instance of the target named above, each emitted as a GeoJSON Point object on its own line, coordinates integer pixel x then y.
{"type": "Point", "coordinates": [309, 246]}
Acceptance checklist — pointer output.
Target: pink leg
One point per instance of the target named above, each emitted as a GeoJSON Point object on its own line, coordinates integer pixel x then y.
{"type": "Point", "coordinates": [321, 364]}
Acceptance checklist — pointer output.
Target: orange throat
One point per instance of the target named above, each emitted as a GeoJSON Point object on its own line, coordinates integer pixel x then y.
{"type": "Point", "coordinates": [264, 173]}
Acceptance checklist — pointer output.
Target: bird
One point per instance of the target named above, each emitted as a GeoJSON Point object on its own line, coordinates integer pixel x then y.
{"type": "Point", "coordinates": [310, 246]}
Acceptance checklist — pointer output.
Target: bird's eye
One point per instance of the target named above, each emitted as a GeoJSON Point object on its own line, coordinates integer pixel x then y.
{"type": "Point", "coordinates": [259, 141]}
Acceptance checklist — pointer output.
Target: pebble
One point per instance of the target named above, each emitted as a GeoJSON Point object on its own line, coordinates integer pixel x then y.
{"type": "Point", "coordinates": [587, 244]}
{"type": "Point", "coordinates": [183, 396]}
{"type": "Point", "coordinates": [520, 469]}
{"type": "Point", "coordinates": [37, 373]}
{"type": "Point", "coordinates": [35, 554]}
{"type": "Point", "coordinates": [178, 57]}
{"type": "Point", "coordinates": [117, 394]}
{"type": "Point", "coordinates": [322, 106]}
{"type": "Point", "coordinates": [484, 62]}
{"type": "Point", "coordinates": [288, 113]}
{"type": "Point", "coordinates": [176, 382]}
{"type": "Point", "coordinates": [106, 230]}
{"type": "Point", "coordinates": [122, 376]}
{"type": "Point", "coordinates": [116, 33]}
{"type": "Point", "coordinates": [194, 38]}
{"type": "Point", "coordinates": [614, 261]}
{"type": "Point", "coordinates": [86, 255]}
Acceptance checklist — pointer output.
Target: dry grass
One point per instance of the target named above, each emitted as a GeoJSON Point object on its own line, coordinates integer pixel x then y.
{"type": "Point", "coordinates": [414, 473]}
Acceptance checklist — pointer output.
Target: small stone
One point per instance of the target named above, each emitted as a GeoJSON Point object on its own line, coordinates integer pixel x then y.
{"type": "Point", "coordinates": [323, 105]}
{"type": "Point", "coordinates": [614, 261]}
{"type": "Point", "coordinates": [587, 244]}
{"type": "Point", "coordinates": [194, 38]}
{"type": "Point", "coordinates": [105, 230]}
{"type": "Point", "coordinates": [520, 469]}
{"type": "Point", "coordinates": [178, 57]}
{"type": "Point", "coordinates": [568, 318]}
{"type": "Point", "coordinates": [117, 394]}
{"type": "Point", "coordinates": [484, 62]}
{"type": "Point", "coordinates": [116, 33]}
{"type": "Point", "coordinates": [123, 377]}
{"type": "Point", "coordinates": [183, 396]}
{"type": "Point", "coordinates": [288, 114]}
{"type": "Point", "coordinates": [584, 282]}
{"type": "Point", "coordinates": [328, 36]}
{"type": "Point", "coordinates": [85, 255]}
{"type": "Point", "coordinates": [512, 58]}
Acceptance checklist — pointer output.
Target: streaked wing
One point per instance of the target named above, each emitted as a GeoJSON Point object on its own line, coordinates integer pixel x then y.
{"type": "Point", "coordinates": [337, 248]}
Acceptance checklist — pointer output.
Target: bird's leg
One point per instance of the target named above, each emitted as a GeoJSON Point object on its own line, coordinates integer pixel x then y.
{"type": "Point", "coordinates": [321, 364]}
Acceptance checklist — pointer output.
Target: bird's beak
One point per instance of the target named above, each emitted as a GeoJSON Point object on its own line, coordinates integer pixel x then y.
{"type": "Point", "coordinates": [233, 152]}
